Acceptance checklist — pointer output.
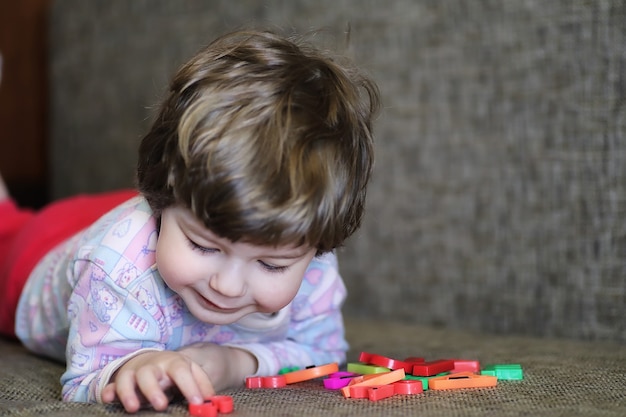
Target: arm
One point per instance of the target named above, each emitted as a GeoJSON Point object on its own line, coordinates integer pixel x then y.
{"type": "Point", "coordinates": [154, 377]}
{"type": "Point", "coordinates": [196, 371]}
{"type": "Point", "coordinates": [311, 333]}
{"type": "Point", "coordinates": [118, 334]}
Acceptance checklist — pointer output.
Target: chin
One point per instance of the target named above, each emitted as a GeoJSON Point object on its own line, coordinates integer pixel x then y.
{"type": "Point", "coordinates": [211, 317]}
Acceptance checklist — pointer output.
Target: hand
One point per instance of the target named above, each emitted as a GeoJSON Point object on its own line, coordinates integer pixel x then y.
{"type": "Point", "coordinates": [226, 366]}
{"type": "Point", "coordinates": [149, 377]}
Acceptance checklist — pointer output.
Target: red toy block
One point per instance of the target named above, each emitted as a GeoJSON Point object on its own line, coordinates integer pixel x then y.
{"type": "Point", "coordinates": [463, 365]}
{"type": "Point", "coordinates": [276, 381]}
{"type": "Point", "coordinates": [380, 392]}
{"type": "Point", "coordinates": [385, 362]}
{"type": "Point", "coordinates": [364, 357]}
{"type": "Point", "coordinates": [253, 382]}
{"type": "Point", "coordinates": [359, 391]}
{"type": "Point", "coordinates": [433, 368]}
{"type": "Point", "coordinates": [206, 409]}
{"type": "Point", "coordinates": [224, 403]}
{"type": "Point", "coordinates": [408, 387]}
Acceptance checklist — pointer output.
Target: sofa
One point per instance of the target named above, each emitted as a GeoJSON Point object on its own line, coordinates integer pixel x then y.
{"type": "Point", "coordinates": [494, 227]}
{"type": "Point", "coordinates": [561, 378]}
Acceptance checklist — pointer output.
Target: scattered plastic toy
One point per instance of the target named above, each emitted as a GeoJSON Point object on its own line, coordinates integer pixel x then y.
{"type": "Point", "coordinates": [376, 377]}
{"type": "Point", "coordinates": [218, 403]}
{"type": "Point", "coordinates": [504, 372]}
{"type": "Point", "coordinates": [462, 380]}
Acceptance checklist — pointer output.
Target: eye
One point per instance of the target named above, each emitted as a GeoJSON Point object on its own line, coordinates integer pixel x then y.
{"type": "Point", "coordinates": [273, 268]}
{"type": "Point", "coordinates": [199, 248]}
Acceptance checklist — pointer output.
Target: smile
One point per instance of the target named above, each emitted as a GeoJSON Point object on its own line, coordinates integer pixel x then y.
{"type": "Point", "coordinates": [209, 305]}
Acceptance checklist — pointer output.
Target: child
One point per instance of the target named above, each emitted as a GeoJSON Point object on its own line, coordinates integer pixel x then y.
{"type": "Point", "coordinates": [254, 170]}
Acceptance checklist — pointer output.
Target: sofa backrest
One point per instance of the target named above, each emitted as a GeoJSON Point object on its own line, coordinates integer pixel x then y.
{"type": "Point", "coordinates": [499, 192]}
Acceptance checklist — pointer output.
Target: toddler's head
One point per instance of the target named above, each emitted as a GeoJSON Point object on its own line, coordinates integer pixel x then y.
{"type": "Point", "coordinates": [266, 140]}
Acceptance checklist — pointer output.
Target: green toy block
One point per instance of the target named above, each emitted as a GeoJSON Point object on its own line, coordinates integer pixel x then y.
{"type": "Point", "coordinates": [288, 369]}
{"type": "Point", "coordinates": [504, 372]}
{"type": "Point", "coordinates": [424, 379]}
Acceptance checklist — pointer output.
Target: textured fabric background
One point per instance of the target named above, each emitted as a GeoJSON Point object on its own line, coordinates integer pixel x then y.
{"type": "Point", "coordinates": [500, 186]}
{"type": "Point", "coordinates": [561, 378]}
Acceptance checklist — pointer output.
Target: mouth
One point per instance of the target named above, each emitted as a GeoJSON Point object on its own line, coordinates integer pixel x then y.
{"type": "Point", "coordinates": [209, 305]}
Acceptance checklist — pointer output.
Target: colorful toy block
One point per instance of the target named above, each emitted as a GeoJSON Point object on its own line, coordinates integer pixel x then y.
{"type": "Point", "coordinates": [224, 403]}
{"type": "Point", "coordinates": [462, 380]}
{"type": "Point", "coordinates": [376, 379]}
{"type": "Point", "coordinates": [385, 362]}
{"type": "Point", "coordinates": [288, 369]}
{"type": "Point", "coordinates": [464, 365]}
{"type": "Point", "coordinates": [414, 360]}
{"type": "Point", "coordinates": [504, 372]}
{"type": "Point", "coordinates": [338, 380]}
{"type": "Point", "coordinates": [433, 368]}
{"type": "Point", "coordinates": [423, 379]}
{"type": "Point", "coordinates": [361, 368]}
{"type": "Point", "coordinates": [408, 387]}
{"type": "Point", "coordinates": [206, 409]}
{"type": "Point", "coordinates": [380, 392]}
{"type": "Point", "coordinates": [359, 392]}
{"type": "Point", "coordinates": [210, 408]}
{"type": "Point", "coordinates": [276, 381]}
{"type": "Point", "coordinates": [311, 373]}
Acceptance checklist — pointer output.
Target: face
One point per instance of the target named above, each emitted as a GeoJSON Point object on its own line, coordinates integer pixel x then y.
{"type": "Point", "coordinates": [221, 281]}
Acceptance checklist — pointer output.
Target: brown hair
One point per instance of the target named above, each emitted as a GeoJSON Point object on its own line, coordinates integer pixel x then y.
{"type": "Point", "coordinates": [265, 139]}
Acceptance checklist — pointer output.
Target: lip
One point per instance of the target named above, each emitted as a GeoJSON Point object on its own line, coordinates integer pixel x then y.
{"type": "Point", "coordinates": [209, 305]}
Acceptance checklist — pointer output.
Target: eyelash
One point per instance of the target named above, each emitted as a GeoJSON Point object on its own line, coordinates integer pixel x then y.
{"type": "Point", "coordinates": [199, 248]}
{"type": "Point", "coordinates": [275, 269]}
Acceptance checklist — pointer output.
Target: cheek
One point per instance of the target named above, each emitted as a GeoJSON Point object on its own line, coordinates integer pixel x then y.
{"type": "Point", "coordinates": [273, 297]}
{"type": "Point", "coordinates": [172, 265]}
{"type": "Point", "coordinates": [163, 264]}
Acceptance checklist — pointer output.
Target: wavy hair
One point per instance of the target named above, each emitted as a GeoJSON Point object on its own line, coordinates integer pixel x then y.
{"type": "Point", "coordinates": [265, 139]}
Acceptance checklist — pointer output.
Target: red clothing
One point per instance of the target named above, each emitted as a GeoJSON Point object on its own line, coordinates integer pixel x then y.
{"type": "Point", "coordinates": [27, 236]}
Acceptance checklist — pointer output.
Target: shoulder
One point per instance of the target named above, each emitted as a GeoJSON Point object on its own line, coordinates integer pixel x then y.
{"type": "Point", "coordinates": [322, 287]}
{"type": "Point", "coordinates": [323, 268]}
{"type": "Point", "coordinates": [122, 242]}
{"type": "Point", "coordinates": [320, 277]}
{"type": "Point", "coordinates": [121, 223]}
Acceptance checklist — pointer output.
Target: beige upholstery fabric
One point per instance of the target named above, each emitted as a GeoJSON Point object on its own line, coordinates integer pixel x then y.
{"type": "Point", "coordinates": [562, 378]}
{"type": "Point", "coordinates": [498, 195]}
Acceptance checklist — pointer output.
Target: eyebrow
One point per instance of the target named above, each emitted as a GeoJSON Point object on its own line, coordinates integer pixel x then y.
{"type": "Point", "coordinates": [295, 256]}
{"type": "Point", "coordinates": [197, 229]}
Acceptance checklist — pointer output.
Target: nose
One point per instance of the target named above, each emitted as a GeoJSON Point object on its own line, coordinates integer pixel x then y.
{"type": "Point", "coordinates": [228, 280]}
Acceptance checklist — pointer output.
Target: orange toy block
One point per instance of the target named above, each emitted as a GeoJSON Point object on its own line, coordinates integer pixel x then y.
{"type": "Point", "coordinates": [311, 373]}
{"type": "Point", "coordinates": [462, 380]}
{"type": "Point", "coordinates": [376, 379]}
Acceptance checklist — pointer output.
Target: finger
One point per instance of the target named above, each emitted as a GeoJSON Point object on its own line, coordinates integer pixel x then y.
{"type": "Point", "coordinates": [108, 393]}
{"type": "Point", "coordinates": [125, 390]}
{"type": "Point", "coordinates": [183, 377]}
{"type": "Point", "coordinates": [152, 383]}
{"type": "Point", "coordinates": [203, 381]}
